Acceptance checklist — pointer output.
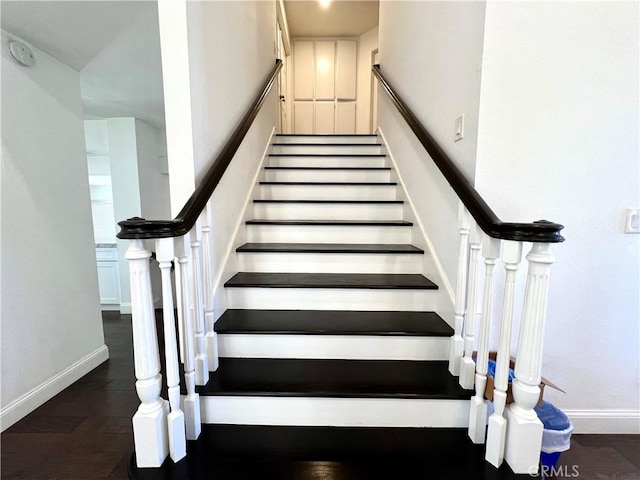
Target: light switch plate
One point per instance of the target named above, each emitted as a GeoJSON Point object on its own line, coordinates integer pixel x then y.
{"type": "Point", "coordinates": [458, 131]}
{"type": "Point", "coordinates": [632, 222]}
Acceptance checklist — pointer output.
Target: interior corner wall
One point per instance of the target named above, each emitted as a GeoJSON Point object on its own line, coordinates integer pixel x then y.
{"type": "Point", "coordinates": [154, 185]}
{"type": "Point", "coordinates": [51, 332]}
{"type": "Point", "coordinates": [125, 184]}
{"type": "Point", "coordinates": [366, 46]}
{"type": "Point", "coordinates": [431, 52]}
{"type": "Point", "coordinates": [232, 50]}
{"type": "Point", "coordinates": [559, 123]}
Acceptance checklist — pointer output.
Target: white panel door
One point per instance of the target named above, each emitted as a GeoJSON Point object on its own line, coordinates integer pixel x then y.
{"type": "Point", "coordinates": [325, 71]}
{"type": "Point", "coordinates": [303, 70]}
{"type": "Point", "coordinates": [303, 114]}
{"type": "Point", "coordinates": [325, 117]}
{"type": "Point", "coordinates": [346, 70]}
{"type": "Point", "coordinates": [346, 117]}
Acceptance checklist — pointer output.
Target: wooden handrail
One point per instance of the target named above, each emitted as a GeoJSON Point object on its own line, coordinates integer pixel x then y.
{"type": "Point", "coordinates": [186, 219]}
{"type": "Point", "coordinates": [541, 231]}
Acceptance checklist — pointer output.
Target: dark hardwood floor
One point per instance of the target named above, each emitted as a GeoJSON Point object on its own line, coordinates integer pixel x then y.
{"type": "Point", "coordinates": [84, 433]}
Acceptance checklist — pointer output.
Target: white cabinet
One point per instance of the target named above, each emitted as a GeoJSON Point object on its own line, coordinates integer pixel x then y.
{"type": "Point", "coordinates": [324, 86]}
{"type": "Point", "coordinates": [303, 70]}
{"type": "Point", "coordinates": [108, 275]}
{"type": "Point", "coordinates": [325, 72]}
{"type": "Point", "coordinates": [346, 70]}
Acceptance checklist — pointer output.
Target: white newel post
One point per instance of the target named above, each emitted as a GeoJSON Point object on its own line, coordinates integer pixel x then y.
{"type": "Point", "coordinates": [211, 337]}
{"type": "Point", "coordinates": [467, 365]}
{"type": "Point", "coordinates": [457, 342]}
{"type": "Point", "coordinates": [192, 401]}
{"type": "Point", "coordinates": [511, 256]}
{"type": "Point", "coordinates": [150, 420]}
{"type": "Point", "coordinates": [524, 429]}
{"type": "Point", "coordinates": [202, 362]}
{"type": "Point", "coordinates": [175, 421]}
{"type": "Point", "coordinates": [478, 410]}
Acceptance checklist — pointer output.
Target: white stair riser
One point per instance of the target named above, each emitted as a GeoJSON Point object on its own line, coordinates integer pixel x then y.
{"type": "Point", "coordinates": [326, 162]}
{"type": "Point", "coordinates": [327, 175]}
{"type": "Point", "coordinates": [327, 211]}
{"type": "Point", "coordinates": [329, 262]}
{"type": "Point", "coordinates": [327, 234]}
{"type": "Point", "coordinates": [327, 192]}
{"type": "Point", "coordinates": [324, 149]}
{"type": "Point", "coordinates": [339, 412]}
{"type": "Point", "coordinates": [347, 347]}
{"type": "Point", "coordinates": [320, 139]}
{"type": "Point", "coordinates": [331, 299]}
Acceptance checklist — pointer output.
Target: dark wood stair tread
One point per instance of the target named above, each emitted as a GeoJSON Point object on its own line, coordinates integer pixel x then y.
{"type": "Point", "coordinates": [356, 202]}
{"type": "Point", "coordinates": [330, 248]}
{"type": "Point", "coordinates": [251, 452]}
{"type": "Point", "coordinates": [360, 223]}
{"type": "Point", "coordinates": [326, 135]}
{"type": "Point", "coordinates": [330, 168]}
{"type": "Point", "coordinates": [332, 322]}
{"type": "Point", "coordinates": [341, 155]}
{"type": "Point", "coordinates": [285, 377]}
{"type": "Point", "coordinates": [335, 184]}
{"type": "Point", "coordinates": [331, 280]}
{"type": "Point", "coordinates": [288, 144]}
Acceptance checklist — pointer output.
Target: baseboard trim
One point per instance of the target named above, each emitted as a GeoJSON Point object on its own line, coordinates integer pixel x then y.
{"type": "Point", "coordinates": [31, 400]}
{"type": "Point", "coordinates": [612, 421]}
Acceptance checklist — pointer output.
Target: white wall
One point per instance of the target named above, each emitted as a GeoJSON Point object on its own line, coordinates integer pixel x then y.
{"type": "Point", "coordinates": [231, 53]}
{"type": "Point", "coordinates": [154, 185]}
{"type": "Point", "coordinates": [368, 43]}
{"type": "Point", "coordinates": [126, 191]}
{"type": "Point", "coordinates": [51, 324]}
{"type": "Point", "coordinates": [558, 140]}
{"type": "Point", "coordinates": [215, 58]}
{"type": "Point", "coordinates": [431, 52]}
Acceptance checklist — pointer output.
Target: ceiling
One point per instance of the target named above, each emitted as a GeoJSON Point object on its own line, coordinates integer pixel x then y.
{"type": "Point", "coordinates": [115, 45]}
{"type": "Point", "coordinates": [343, 18]}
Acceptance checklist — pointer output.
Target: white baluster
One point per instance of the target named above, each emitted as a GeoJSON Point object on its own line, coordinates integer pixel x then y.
{"type": "Point", "coordinates": [457, 342]}
{"type": "Point", "coordinates": [524, 429]}
{"type": "Point", "coordinates": [211, 337]}
{"type": "Point", "coordinates": [175, 421]}
{"type": "Point", "coordinates": [192, 401]}
{"type": "Point", "coordinates": [202, 362]}
{"type": "Point", "coordinates": [467, 365]}
{"type": "Point", "coordinates": [179, 302]}
{"type": "Point", "coordinates": [511, 256]}
{"type": "Point", "coordinates": [150, 420]}
{"type": "Point", "coordinates": [478, 410]}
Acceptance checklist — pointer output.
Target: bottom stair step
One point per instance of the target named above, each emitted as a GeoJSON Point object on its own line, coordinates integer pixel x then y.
{"type": "Point", "coordinates": [372, 393]}
{"type": "Point", "coordinates": [240, 452]}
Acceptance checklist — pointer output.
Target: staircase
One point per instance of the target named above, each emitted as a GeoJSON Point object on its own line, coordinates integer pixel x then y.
{"type": "Point", "coordinates": [333, 361]}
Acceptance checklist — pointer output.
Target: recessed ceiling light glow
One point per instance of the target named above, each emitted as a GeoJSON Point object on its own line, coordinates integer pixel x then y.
{"type": "Point", "coordinates": [324, 3]}
{"type": "Point", "coordinates": [322, 65]}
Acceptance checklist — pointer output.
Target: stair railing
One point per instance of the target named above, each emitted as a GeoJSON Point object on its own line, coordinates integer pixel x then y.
{"type": "Point", "coordinates": [161, 428]}
{"type": "Point", "coordinates": [514, 432]}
